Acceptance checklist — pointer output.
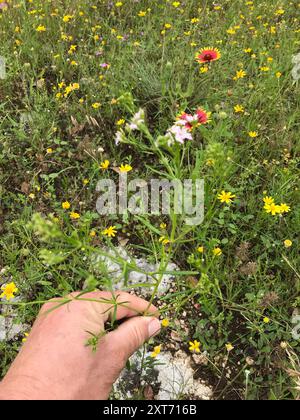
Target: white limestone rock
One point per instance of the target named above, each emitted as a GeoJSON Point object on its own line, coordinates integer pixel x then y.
{"type": "Point", "coordinates": [9, 329]}
{"type": "Point", "coordinates": [173, 375]}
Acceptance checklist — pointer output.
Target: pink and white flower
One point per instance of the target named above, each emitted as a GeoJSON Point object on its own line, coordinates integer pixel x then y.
{"type": "Point", "coordinates": [193, 121]}
{"type": "Point", "coordinates": [178, 133]}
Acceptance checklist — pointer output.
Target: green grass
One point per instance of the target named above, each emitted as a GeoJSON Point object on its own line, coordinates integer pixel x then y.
{"type": "Point", "coordinates": [226, 298]}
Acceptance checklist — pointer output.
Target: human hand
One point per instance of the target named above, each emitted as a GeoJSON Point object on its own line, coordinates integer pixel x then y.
{"type": "Point", "coordinates": [56, 364]}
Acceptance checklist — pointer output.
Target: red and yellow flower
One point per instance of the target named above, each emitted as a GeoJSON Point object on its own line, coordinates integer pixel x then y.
{"type": "Point", "coordinates": [203, 116]}
{"type": "Point", "coordinates": [207, 55]}
{"type": "Point", "coordinates": [193, 121]}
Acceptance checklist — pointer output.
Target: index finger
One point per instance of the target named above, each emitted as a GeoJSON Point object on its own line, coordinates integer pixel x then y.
{"type": "Point", "coordinates": [120, 305]}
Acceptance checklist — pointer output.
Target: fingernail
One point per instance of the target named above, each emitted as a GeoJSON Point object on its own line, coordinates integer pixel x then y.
{"type": "Point", "coordinates": [154, 327]}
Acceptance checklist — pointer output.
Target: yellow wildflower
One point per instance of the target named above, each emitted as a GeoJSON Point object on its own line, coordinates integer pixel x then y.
{"type": "Point", "coordinates": [165, 323]}
{"type": "Point", "coordinates": [272, 209]}
{"type": "Point", "coordinates": [74, 215]}
{"type": "Point", "coordinates": [253, 134]}
{"type": "Point", "coordinates": [8, 291]}
{"type": "Point", "coordinates": [67, 18]}
{"type": "Point", "coordinates": [156, 351]}
{"type": "Point", "coordinates": [105, 165]}
{"type": "Point", "coordinates": [240, 74]}
{"type": "Point", "coordinates": [268, 200]}
{"type": "Point", "coordinates": [194, 346]}
{"type": "Point", "coordinates": [96, 105]}
{"type": "Point", "coordinates": [110, 232]}
{"type": "Point", "coordinates": [41, 28]}
{"type": "Point", "coordinates": [66, 205]}
{"type": "Point", "coordinates": [229, 347]}
{"type": "Point", "coordinates": [284, 208]}
{"type": "Point", "coordinates": [264, 68]}
{"type": "Point", "coordinates": [125, 168]}
{"type": "Point", "coordinates": [204, 69]}
{"type": "Point", "coordinates": [239, 109]}
{"type": "Point", "coordinates": [217, 252]}
{"type": "Point", "coordinates": [163, 240]}
{"type": "Point", "coordinates": [226, 197]}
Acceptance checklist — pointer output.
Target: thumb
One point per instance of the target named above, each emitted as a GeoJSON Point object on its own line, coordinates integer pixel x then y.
{"type": "Point", "coordinates": [133, 333]}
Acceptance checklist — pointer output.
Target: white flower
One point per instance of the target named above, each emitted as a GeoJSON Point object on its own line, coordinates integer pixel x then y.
{"type": "Point", "coordinates": [170, 139]}
{"type": "Point", "coordinates": [120, 138]}
{"type": "Point", "coordinates": [137, 120]}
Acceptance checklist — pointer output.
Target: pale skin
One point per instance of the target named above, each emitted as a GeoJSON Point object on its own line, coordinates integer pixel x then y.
{"type": "Point", "coordinates": [56, 364]}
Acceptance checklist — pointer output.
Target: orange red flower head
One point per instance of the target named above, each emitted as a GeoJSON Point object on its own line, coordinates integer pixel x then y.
{"type": "Point", "coordinates": [192, 121]}
{"type": "Point", "coordinates": [208, 55]}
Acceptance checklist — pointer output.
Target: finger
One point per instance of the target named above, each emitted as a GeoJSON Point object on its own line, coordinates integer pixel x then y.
{"type": "Point", "coordinates": [132, 334]}
{"type": "Point", "coordinates": [107, 305]}
{"type": "Point", "coordinates": [120, 305]}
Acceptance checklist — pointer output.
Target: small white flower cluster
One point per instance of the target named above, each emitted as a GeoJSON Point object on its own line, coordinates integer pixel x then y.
{"type": "Point", "coordinates": [120, 137]}
{"type": "Point", "coordinates": [135, 124]}
{"type": "Point", "coordinates": [137, 121]}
